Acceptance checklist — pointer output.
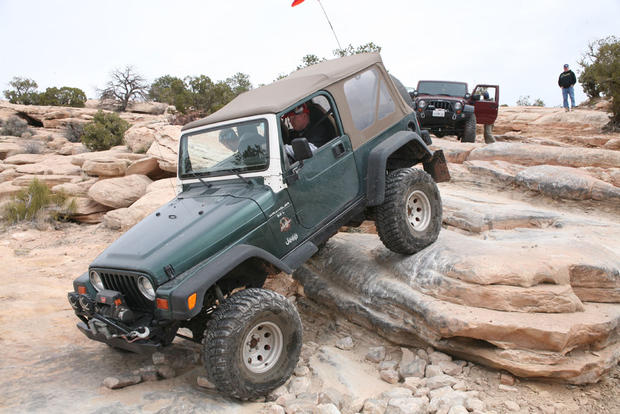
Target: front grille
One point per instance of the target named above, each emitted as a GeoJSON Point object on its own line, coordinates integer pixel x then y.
{"type": "Point", "coordinates": [441, 105]}
{"type": "Point", "coordinates": [127, 284]}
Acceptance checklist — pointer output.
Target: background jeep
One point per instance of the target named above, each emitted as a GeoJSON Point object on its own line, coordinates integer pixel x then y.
{"type": "Point", "coordinates": [249, 205]}
{"type": "Point", "coordinates": [446, 108]}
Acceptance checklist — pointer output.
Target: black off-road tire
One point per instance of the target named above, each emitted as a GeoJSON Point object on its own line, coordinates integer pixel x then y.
{"type": "Point", "coordinates": [411, 196]}
{"type": "Point", "coordinates": [251, 315]}
{"type": "Point", "coordinates": [469, 134]}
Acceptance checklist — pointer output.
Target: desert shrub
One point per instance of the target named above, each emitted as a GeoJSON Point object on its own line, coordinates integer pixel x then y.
{"type": "Point", "coordinates": [74, 131]}
{"type": "Point", "coordinates": [538, 102]}
{"type": "Point", "coordinates": [600, 73]}
{"type": "Point", "coordinates": [524, 101]}
{"type": "Point", "coordinates": [104, 132]}
{"type": "Point", "coordinates": [37, 200]}
{"type": "Point", "coordinates": [32, 147]}
{"type": "Point", "coordinates": [22, 91]}
{"type": "Point", "coordinates": [14, 126]}
{"type": "Point", "coordinates": [171, 90]}
{"type": "Point", "coordinates": [64, 96]}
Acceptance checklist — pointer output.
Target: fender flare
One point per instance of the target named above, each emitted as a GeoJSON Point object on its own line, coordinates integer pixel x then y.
{"type": "Point", "coordinates": [203, 276]}
{"type": "Point", "coordinates": [468, 109]}
{"type": "Point", "coordinates": [377, 162]}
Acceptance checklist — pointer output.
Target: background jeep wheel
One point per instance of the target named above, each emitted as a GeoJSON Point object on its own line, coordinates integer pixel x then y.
{"type": "Point", "coordinates": [469, 134]}
{"type": "Point", "coordinates": [252, 343]}
{"type": "Point", "coordinates": [410, 217]}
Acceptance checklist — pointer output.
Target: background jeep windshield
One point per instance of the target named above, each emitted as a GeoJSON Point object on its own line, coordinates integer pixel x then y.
{"type": "Point", "coordinates": [226, 150]}
{"type": "Point", "coordinates": [442, 88]}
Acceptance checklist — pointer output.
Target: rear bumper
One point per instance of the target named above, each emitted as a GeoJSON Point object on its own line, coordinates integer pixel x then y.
{"type": "Point", "coordinates": [137, 347]}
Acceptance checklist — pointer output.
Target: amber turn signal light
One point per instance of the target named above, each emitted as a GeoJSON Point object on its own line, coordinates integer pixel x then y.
{"type": "Point", "coordinates": [162, 303]}
{"type": "Point", "coordinates": [82, 290]}
{"type": "Point", "coordinates": [191, 301]}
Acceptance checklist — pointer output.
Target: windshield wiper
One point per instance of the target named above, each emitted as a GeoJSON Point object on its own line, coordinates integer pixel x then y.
{"type": "Point", "coordinates": [237, 171]}
{"type": "Point", "coordinates": [206, 184]}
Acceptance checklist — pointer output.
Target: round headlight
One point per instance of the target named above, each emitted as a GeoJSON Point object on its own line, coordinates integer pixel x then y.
{"type": "Point", "coordinates": [146, 288]}
{"type": "Point", "coordinates": [422, 103]}
{"type": "Point", "coordinates": [95, 280]}
{"type": "Point", "coordinates": [458, 106]}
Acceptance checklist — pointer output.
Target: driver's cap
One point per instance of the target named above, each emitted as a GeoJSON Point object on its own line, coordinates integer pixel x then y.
{"type": "Point", "coordinates": [301, 109]}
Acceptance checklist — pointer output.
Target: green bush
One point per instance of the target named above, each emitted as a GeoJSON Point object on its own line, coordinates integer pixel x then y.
{"type": "Point", "coordinates": [64, 96]}
{"type": "Point", "coordinates": [14, 126]}
{"type": "Point", "coordinates": [601, 74]}
{"type": "Point", "coordinates": [37, 200]}
{"type": "Point", "coordinates": [23, 91]}
{"type": "Point", "coordinates": [74, 131]}
{"type": "Point", "coordinates": [104, 132]}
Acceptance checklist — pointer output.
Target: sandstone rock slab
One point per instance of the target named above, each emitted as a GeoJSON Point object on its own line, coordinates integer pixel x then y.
{"type": "Point", "coordinates": [356, 275]}
{"type": "Point", "coordinates": [545, 155]}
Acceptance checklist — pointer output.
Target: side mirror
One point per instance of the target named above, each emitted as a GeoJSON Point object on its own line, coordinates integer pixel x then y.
{"type": "Point", "coordinates": [415, 93]}
{"type": "Point", "coordinates": [301, 149]}
{"type": "Point", "coordinates": [467, 96]}
{"type": "Point", "coordinates": [475, 97]}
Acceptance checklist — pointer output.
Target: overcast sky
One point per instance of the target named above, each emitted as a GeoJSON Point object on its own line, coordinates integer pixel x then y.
{"type": "Point", "coordinates": [520, 45]}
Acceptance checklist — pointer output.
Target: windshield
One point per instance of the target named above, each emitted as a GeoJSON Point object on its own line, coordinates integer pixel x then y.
{"type": "Point", "coordinates": [226, 150]}
{"type": "Point", "coordinates": [442, 88]}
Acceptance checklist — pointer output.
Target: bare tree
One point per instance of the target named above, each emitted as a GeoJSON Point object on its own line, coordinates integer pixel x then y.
{"type": "Point", "coordinates": [125, 86]}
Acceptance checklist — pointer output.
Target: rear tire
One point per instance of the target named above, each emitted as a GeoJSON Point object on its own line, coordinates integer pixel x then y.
{"type": "Point", "coordinates": [469, 134]}
{"type": "Point", "coordinates": [410, 217]}
{"type": "Point", "coordinates": [252, 343]}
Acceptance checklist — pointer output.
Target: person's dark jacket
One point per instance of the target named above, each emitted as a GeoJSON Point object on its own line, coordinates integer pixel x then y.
{"type": "Point", "coordinates": [316, 133]}
{"type": "Point", "coordinates": [567, 79]}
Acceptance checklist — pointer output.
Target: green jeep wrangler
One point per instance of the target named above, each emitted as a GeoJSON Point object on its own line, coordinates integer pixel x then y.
{"type": "Point", "coordinates": [263, 183]}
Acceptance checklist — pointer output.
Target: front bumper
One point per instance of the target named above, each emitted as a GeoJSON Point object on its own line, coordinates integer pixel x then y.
{"type": "Point", "coordinates": [137, 347]}
{"type": "Point", "coordinates": [448, 122]}
{"type": "Point", "coordinates": [114, 324]}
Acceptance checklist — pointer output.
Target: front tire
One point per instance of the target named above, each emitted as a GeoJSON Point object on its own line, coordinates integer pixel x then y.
{"type": "Point", "coordinates": [410, 217]}
{"type": "Point", "coordinates": [469, 134]}
{"type": "Point", "coordinates": [252, 343]}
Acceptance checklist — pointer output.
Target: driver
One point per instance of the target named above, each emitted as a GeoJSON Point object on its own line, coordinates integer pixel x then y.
{"type": "Point", "coordinates": [315, 127]}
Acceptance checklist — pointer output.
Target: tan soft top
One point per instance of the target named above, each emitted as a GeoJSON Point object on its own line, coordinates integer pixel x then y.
{"type": "Point", "coordinates": [281, 94]}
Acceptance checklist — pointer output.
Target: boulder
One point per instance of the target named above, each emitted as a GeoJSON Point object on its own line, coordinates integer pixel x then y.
{"type": "Point", "coordinates": [165, 148]}
{"type": "Point", "coordinates": [77, 189]}
{"type": "Point", "coordinates": [8, 174]}
{"type": "Point", "coordinates": [72, 148]}
{"type": "Point", "coordinates": [8, 190]}
{"type": "Point", "coordinates": [413, 300]}
{"type": "Point", "coordinates": [139, 138]}
{"type": "Point", "coordinates": [168, 184]}
{"type": "Point", "coordinates": [119, 192]}
{"type": "Point", "coordinates": [8, 148]}
{"type": "Point", "coordinates": [125, 218]}
{"type": "Point", "coordinates": [105, 167]}
{"type": "Point", "coordinates": [145, 166]}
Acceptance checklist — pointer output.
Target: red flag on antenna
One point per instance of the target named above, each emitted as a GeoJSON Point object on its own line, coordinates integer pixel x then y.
{"type": "Point", "coordinates": [296, 2]}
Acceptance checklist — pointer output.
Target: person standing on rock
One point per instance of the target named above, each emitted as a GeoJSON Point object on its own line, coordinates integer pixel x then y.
{"type": "Point", "coordinates": [566, 81]}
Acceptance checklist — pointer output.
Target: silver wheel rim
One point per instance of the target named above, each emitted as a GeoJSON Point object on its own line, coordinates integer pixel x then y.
{"type": "Point", "coordinates": [418, 210]}
{"type": "Point", "coordinates": [262, 347]}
